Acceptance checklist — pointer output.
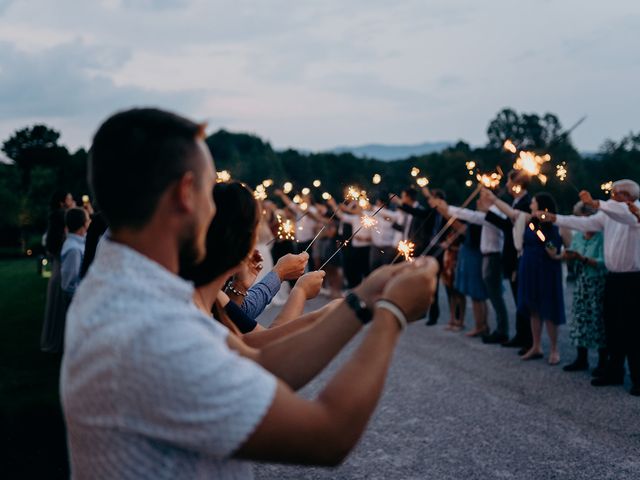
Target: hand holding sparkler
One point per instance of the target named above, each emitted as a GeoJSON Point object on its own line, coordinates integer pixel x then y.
{"type": "Point", "coordinates": [588, 200]}
{"type": "Point", "coordinates": [310, 283]}
{"type": "Point", "coordinates": [290, 266]}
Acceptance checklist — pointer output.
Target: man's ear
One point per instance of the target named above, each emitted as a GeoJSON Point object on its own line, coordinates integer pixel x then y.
{"type": "Point", "coordinates": [185, 193]}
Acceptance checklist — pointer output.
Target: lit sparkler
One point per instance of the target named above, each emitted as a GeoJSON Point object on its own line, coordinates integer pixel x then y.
{"type": "Point", "coordinates": [286, 229]}
{"type": "Point", "coordinates": [471, 165]}
{"type": "Point", "coordinates": [376, 179]}
{"type": "Point", "coordinates": [406, 248]}
{"type": "Point", "coordinates": [367, 222]}
{"type": "Point", "coordinates": [415, 171]}
{"type": "Point", "coordinates": [509, 146]}
{"type": "Point", "coordinates": [260, 193]}
{"type": "Point", "coordinates": [223, 176]}
{"type": "Point", "coordinates": [469, 183]}
{"type": "Point", "coordinates": [352, 193]}
{"type": "Point", "coordinates": [317, 183]}
{"type": "Point", "coordinates": [306, 191]}
{"type": "Point", "coordinates": [267, 183]}
{"type": "Point", "coordinates": [297, 198]}
{"type": "Point", "coordinates": [491, 180]}
{"type": "Point", "coordinates": [531, 164]}
{"type": "Point", "coordinates": [561, 172]}
{"type": "Point", "coordinates": [287, 187]}
{"type": "Point", "coordinates": [422, 181]}
{"type": "Point", "coordinates": [326, 196]}
{"type": "Point", "coordinates": [516, 189]}
{"type": "Point", "coordinates": [606, 187]}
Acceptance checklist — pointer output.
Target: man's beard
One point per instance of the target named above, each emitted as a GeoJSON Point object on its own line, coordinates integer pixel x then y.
{"type": "Point", "coordinates": [189, 254]}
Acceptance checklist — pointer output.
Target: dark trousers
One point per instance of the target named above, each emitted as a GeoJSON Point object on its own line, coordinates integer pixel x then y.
{"type": "Point", "coordinates": [492, 278]}
{"type": "Point", "coordinates": [356, 264]}
{"type": "Point", "coordinates": [622, 323]}
{"type": "Point", "coordinates": [379, 256]}
{"type": "Point", "coordinates": [523, 323]}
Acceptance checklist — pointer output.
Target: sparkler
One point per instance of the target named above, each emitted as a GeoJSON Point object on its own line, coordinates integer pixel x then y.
{"type": "Point", "coordinates": [376, 179]}
{"type": "Point", "coordinates": [415, 171]}
{"type": "Point", "coordinates": [267, 183]}
{"type": "Point", "coordinates": [260, 192]}
{"type": "Point", "coordinates": [562, 173]}
{"type": "Point", "coordinates": [287, 187]}
{"type": "Point", "coordinates": [406, 248]}
{"type": "Point", "coordinates": [490, 181]}
{"type": "Point", "coordinates": [223, 176]}
{"type": "Point", "coordinates": [354, 233]}
{"type": "Point", "coordinates": [367, 222]}
{"type": "Point", "coordinates": [468, 183]}
{"type": "Point", "coordinates": [326, 196]}
{"type": "Point", "coordinates": [317, 183]}
{"type": "Point", "coordinates": [539, 233]}
{"type": "Point", "coordinates": [286, 229]}
{"type": "Point", "coordinates": [352, 193]}
{"type": "Point", "coordinates": [606, 187]}
{"type": "Point", "coordinates": [297, 198]}
{"type": "Point", "coordinates": [509, 146]}
{"type": "Point", "coordinates": [306, 191]}
{"type": "Point", "coordinates": [422, 181]}
{"type": "Point", "coordinates": [531, 164]}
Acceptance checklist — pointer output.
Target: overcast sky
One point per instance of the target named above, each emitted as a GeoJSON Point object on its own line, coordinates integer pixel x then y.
{"type": "Point", "coordinates": [319, 74]}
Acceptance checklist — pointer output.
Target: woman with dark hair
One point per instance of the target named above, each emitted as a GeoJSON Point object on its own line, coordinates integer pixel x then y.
{"type": "Point", "coordinates": [540, 292]}
{"type": "Point", "coordinates": [56, 304]}
{"type": "Point", "coordinates": [230, 250]}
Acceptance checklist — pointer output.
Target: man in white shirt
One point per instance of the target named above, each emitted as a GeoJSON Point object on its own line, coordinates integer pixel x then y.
{"type": "Point", "coordinates": [383, 248]}
{"type": "Point", "coordinates": [621, 230]}
{"type": "Point", "coordinates": [153, 388]}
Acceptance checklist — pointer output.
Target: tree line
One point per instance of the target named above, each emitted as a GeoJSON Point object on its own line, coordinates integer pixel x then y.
{"type": "Point", "coordinates": [41, 165]}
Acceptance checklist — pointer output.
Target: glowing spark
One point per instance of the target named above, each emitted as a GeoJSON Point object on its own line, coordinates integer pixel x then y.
{"type": "Point", "coordinates": [297, 198]}
{"type": "Point", "coordinates": [85, 198]}
{"type": "Point", "coordinates": [468, 183]}
{"type": "Point", "coordinates": [422, 181]}
{"type": "Point", "coordinates": [509, 146]}
{"type": "Point", "coordinates": [376, 179]}
{"type": "Point", "coordinates": [607, 186]}
{"type": "Point", "coordinates": [267, 183]}
{"type": "Point", "coordinates": [317, 183]}
{"type": "Point", "coordinates": [352, 193]}
{"type": "Point", "coordinates": [542, 178]}
{"type": "Point", "coordinates": [489, 180]}
{"type": "Point", "coordinates": [406, 248]}
{"type": "Point", "coordinates": [471, 165]}
{"type": "Point", "coordinates": [561, 172]}
{"type": "Point", "coordinates": [326, 196]}
{"type": "Point", "coordinates": [306, 191]}
{"type": "Point", "coordinates": [415, 171]}
{"type": "Point", "coordinates": [287, 187]}
{"type": "Point", "coordinates": [367, 222]}
{"type": "Point", "coordinates": [223, 176]}
{"type": "Point", "coordinates": [541, 236]}
{"type": "Point", "coordinates": [532, 227]}
{"type": "Point", "coordinates": [304, 205]}
{"type": "Point", "coordinates": [260, 193]}
{"type": "Point", "coordinates": [286, 229]}
{"type": "Point", "coordinates": [516, 189]}
{"type": "Point", "coordinates": [363, 202]}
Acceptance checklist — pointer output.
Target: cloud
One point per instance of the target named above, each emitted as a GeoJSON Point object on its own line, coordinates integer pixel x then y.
{"type": "Point", "coordinates": [72, 80]}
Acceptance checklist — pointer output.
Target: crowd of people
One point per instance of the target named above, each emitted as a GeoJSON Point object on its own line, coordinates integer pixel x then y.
{"type": "Point", "coordinates": [155, 301]}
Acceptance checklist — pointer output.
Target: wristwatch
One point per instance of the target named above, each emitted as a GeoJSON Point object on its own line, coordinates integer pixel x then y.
{"type": "Point", "coordinates": [359, 307]}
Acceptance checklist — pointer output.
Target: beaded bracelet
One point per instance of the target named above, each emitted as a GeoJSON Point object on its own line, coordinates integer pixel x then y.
{"type": "Point", "coordinates": [235, 291]}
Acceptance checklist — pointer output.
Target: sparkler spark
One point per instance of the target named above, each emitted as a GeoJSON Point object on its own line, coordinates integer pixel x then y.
{"type": "Point", "coordinates": [267, 183]}
{"type": "Point", "coordinates": [422, 181]}
{"type": "Point", "coordinates": [363, 202]}
{"type": "Point", "coordinates": [489, 180]}
{"type": "Point", "coordinates": [287, 187]}
{"type": "Point", "coordinates": [509, 146]}
{"type": "Point", "coordinates": [415, 171]}
{"type": "Point", "coordinates": [606, 187]}
{"type": "Point", "coordinates": [317, 183]}
{"type": "Point", "coordinates": [306, 191]}
{"type": "Point", "coordinates": [326, 196]}
{"type": "Point", "coordinates": [468, 183]}
{"type": "Point", "coordinates": [286, 229]}
{"type": "Point", "coordinates": [561, 172]}
{"type": "Point", "coordinates": [516, 189]}
{"type": "Point", "coordinates": [367, 222]}
{"type": "Point", "coordinates": [352, 193]}
{"type": "Point", "coordinates": [541, 236]}
{"type": "Point", "coordinates": [376, 179]}
{"type": "Point", "coordinates": [531, 164]}
{"type": "Point", "coordinates": [260, 193]}
{"type": "Point", "coordinates": [406, 248]}
{"type": "Point", "coordinates": [297, 198]}
{"type": "Point", "coordinates": [223, 176]}
{"type": "Point", "coordinates": [471, 165]}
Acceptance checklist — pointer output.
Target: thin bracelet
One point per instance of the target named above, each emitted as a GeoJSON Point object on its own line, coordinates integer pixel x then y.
{"type": "Point", "coordinates": [395, 311]}
{"type": "Point", "coordinates": [235, 291]}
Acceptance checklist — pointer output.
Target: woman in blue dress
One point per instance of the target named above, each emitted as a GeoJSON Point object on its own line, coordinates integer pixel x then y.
{"type": "Point", "coordinates": [540, 291]}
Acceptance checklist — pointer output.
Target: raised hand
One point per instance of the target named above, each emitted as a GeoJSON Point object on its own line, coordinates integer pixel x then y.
{"type": "Point", "coordinates": [249, 270]}
{"type": "Point", "coordinates": [412, 290]}
{"type": "Point", "coordinates": [310, 283]}
{"type": "Point", "coordinates": [587, 199]}
{"type": "Point", "coordinates": [291, 266]}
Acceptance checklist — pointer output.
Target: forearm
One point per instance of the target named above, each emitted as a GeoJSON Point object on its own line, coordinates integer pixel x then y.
{"type": "Point", "coordinates": [299, 357]}
{"type": "Point", "coordinates": [582, 224]}
{"type": "Point", "coordinates": [506, 209]}
{"type": "Point", "coordinates": [261, 294]}
{"type": "Point", "coordinates": [619, 212]}
{"type": "Point", "coordinates": [261, 338]}
{"type": "Point", "coordinates": [351, 396]}
{"type": "Point", "coordinates": [293, 308]}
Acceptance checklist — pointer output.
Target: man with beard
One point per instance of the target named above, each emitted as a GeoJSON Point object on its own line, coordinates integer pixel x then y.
{"type": "Point", "coordinates": [152, 387]}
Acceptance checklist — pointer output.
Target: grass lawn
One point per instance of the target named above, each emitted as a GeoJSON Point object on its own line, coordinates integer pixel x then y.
{"type": "Point", "coordinates": [32, 442]}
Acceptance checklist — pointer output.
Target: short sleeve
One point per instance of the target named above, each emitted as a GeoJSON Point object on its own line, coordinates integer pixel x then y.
{"type": "Point", "coordinates": [186, 387]}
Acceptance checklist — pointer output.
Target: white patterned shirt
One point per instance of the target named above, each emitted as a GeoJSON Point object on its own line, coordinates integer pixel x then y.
{"type": "Point", "coordinates": [149, 386]}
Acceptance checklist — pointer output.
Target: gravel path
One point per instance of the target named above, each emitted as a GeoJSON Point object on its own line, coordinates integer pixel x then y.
{"type": "Point", "coordinates": [454, 408]}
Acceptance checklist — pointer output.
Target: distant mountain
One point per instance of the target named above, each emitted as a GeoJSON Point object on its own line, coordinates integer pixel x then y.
{"type": "Point", "coordinates": [393, 152]}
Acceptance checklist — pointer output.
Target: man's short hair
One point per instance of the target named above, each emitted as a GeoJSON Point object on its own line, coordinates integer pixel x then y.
{"type": "Point", "coordinates": [521, 178]}
{"type": "Point", "coordinates": [411, 192]}
{"type": "Point", "coordinates": [135, 156]}
{"type": "Point", "coordinates": [629, 187]}
{"type": "Point", "coordinates": [75, 218]}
